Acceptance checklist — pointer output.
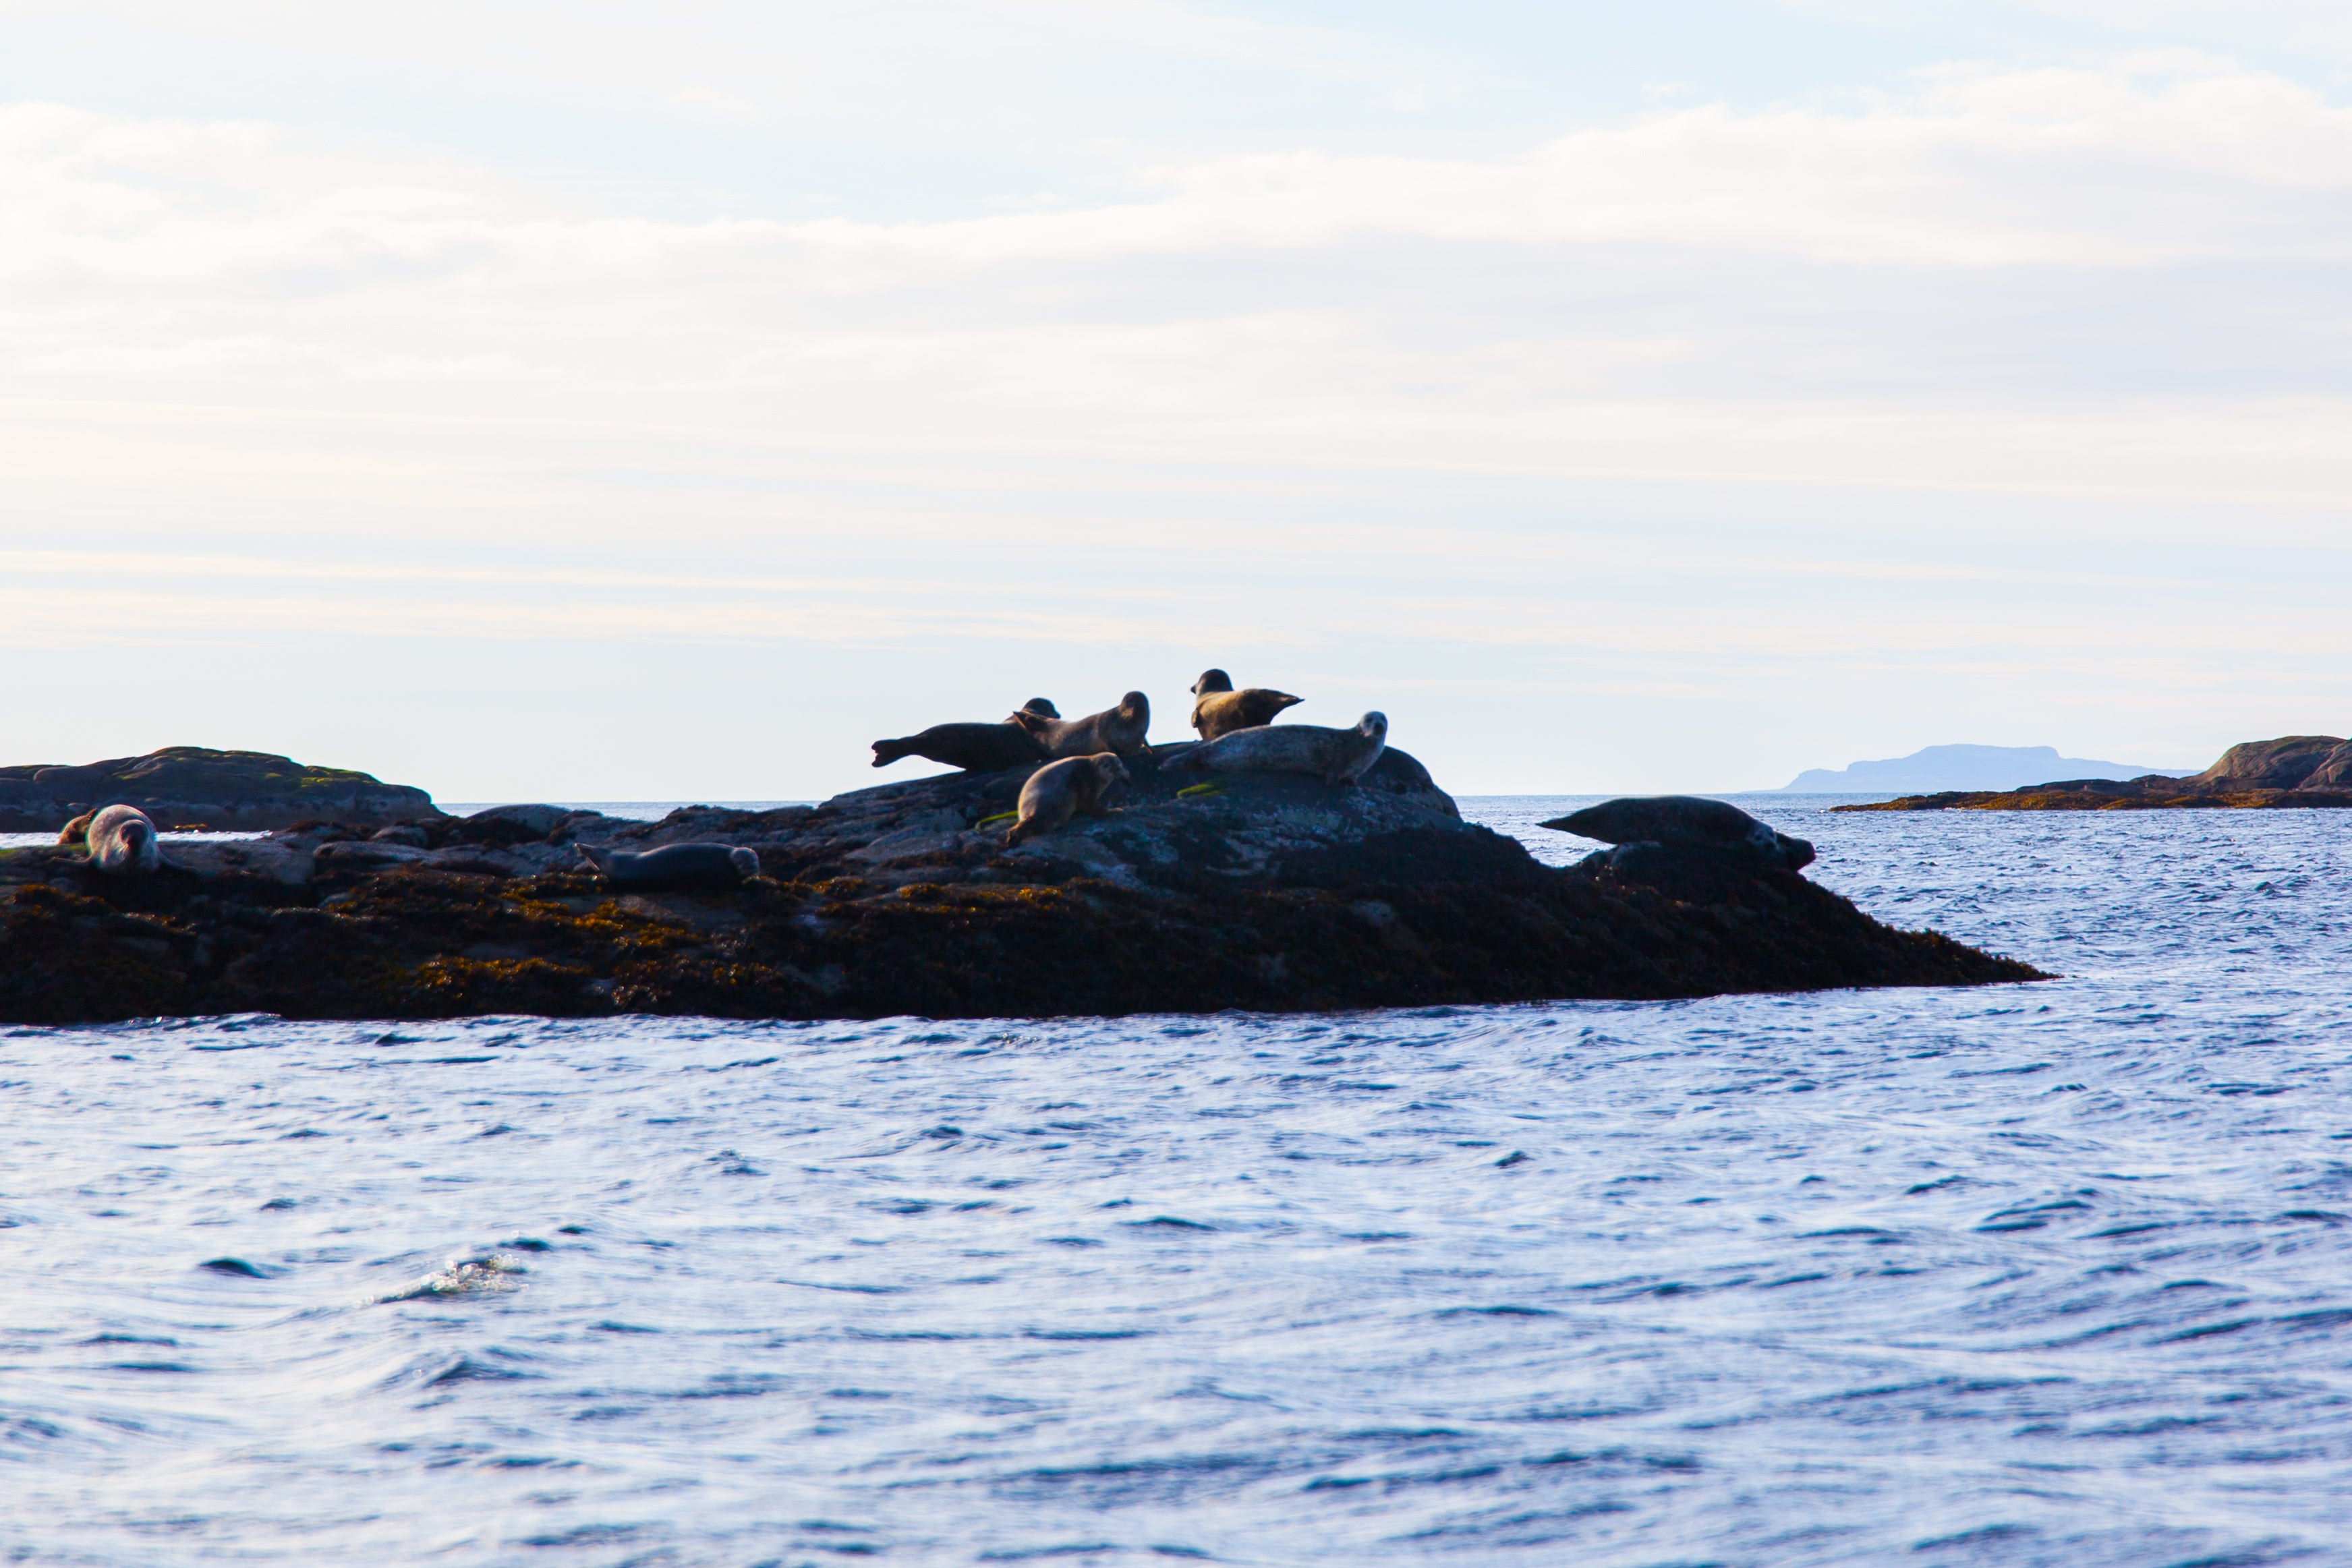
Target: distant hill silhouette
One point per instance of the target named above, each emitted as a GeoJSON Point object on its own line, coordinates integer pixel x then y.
{"type": "Point", "coordinates": [1936, 767]}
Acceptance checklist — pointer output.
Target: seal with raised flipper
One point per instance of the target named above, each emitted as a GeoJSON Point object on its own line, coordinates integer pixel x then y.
{"type": "Point", "coordinates": [122, 841]}
{"type": "Point", "coordinates": [974, 747]}
{"type": "Point", "coordinates": [1686, 819]}
{"type": "Point", "coordinates": [1119, 729]}
{"type": "Point", "coordinates": [1060, 790]}
{"type": "Point", "coordinates": [1222, 710]}
{"type": "Point", "coordinates": [1333, 756]}
{"type": "Point", "coordinates": [675, 868]}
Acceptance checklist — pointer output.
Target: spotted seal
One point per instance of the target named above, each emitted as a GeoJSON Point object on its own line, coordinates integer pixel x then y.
{"type": "Point", "coordinates": [122, 841]}
{"type": "Point", "coordinates": [1119, 729]}
{"type": "Point", "coordinates": [676, 868]}
{"type": "Point", "coordinates": [1686, 819]}
{"type": "Point", "coordinates": [1222, 710]}
{"type": "Point", "coordinates": [1060, 790]}
{"type": "Point", "coordinates": [1335, 755]}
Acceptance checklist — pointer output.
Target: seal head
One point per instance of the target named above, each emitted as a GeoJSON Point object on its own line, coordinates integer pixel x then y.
{"type": "Point", "coordinates": [122, 842]}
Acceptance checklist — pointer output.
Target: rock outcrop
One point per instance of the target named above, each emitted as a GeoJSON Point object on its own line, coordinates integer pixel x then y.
{"type": "Point", "coordinates": [2294, 771]}
{"type": "Point", "coordinates": [187, 787]}
{"type": "Point", "coordinates": [1263, 891]}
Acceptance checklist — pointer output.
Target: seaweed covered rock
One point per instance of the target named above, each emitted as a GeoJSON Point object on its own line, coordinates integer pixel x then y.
{"type": "Point", "coordinates": [1260, 891]}
{"type": "Point", "coordinates": [195, 787]}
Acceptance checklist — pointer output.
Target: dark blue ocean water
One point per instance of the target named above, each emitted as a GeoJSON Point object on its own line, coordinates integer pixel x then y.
{"type": "Point", "coordinates": [2042, 1275]}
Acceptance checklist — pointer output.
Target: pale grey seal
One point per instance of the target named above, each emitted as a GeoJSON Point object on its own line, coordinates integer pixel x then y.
{"type": "Point", "coordinates": [122, 840]}
{"type": "Point", "coordinates": [1686, 819]}
{"type": "Point", "coordinates": [1335, 755]}
{"type": "Point", "coordinates": [1222, 710]}
{"type": "Point", "coordinates": [675, 867]}
{"type": "Point", "coordinates": [974, 747]}
{"type": "Point", "coordinates": [1119, 729]}
{"type": "Point", "coordinates": [1060, 790]}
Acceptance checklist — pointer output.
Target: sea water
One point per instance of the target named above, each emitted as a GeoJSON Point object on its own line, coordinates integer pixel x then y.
{"type": "Point", "coordinates": [2053, 1273]}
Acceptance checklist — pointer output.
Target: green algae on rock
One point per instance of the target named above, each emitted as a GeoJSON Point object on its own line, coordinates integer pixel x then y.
{"type": "Point", "coordinates": [1277, 894]}
{"type": "Point", "coordinates": [196, 786]}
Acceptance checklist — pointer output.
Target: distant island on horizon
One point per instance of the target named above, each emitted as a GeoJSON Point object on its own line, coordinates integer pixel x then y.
{"type": "Point", "coordinates": [1934, 769]}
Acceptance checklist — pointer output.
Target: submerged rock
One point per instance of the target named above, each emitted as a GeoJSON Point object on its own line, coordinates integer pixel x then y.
{"type": "Point", "coordinates": [195, 787]}
{"type": "Point", "coordinates": [1261, 891]}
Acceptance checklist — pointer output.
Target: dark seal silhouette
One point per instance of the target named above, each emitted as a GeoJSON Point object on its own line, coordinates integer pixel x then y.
{"type": "Point", "coordinates": [974, 747]}
{"type": "Point", "coordinates": [675, 868]}
{"type": "Point", "coordinates": [1686, 819]}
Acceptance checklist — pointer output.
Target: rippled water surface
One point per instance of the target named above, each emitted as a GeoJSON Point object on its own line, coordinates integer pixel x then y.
{"type": "Point", "coordinates": [2043, 1274]}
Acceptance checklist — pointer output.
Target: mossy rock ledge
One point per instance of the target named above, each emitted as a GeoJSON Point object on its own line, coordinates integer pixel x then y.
{"type": "Point", "coordinates": [1265, 893]}
{"type": "Point", "coordinates": [196, 786]}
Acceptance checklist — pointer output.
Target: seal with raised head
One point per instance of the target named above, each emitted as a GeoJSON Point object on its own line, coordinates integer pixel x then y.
{"type": "Point", "coordinates": [1333, 756]}
{"type": "Point", "coordinates": [675, 868]}
{"type": "Point", "coordinates": [122, 841]}
{"type": "Point", "coordinates": [1222, 710]}
{"type": "Point", "coordinates": [1060, 790]}
{"type": "Point", "coordinates": [974, 747]}
{"type": "Point", "coordinates": [1686, 819]}
{"type": "Point", "coordinates": [1119, 729]}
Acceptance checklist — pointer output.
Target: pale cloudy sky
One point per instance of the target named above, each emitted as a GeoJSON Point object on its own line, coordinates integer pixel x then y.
{"type": "Point", "coordinates": [589, 400]}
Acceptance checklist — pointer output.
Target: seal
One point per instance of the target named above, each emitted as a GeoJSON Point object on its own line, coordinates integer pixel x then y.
{"type": "Point", "coordinates": [1042, 707]}
{"type": "Point", "coordinates": [1335, 755]}
{"type": "Point", "coordinates": [1686, 819]}
{"type": "Point", "coordinates": [1222, 710]}
{"type": "Point", "coordinates": [77, 830]}
{"type": "Point", "coordinates": [676, 868]}
{"type": "Point", "coordinates": [1060, 790]}
{"type": "Point", "coordinates": [122, 840]}
{"type": "Point", "coordinates": [1119, 729]}
{"type": "Point", "coordinates": [974, 747]}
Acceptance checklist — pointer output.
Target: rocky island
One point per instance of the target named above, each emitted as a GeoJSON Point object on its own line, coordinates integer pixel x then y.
{"type": "Point", "coordinates": [1203, 892]}
{"type": "Point", "coordinates": [2294, 771]}
{"type": "Point", "coordinates": [188, 786]}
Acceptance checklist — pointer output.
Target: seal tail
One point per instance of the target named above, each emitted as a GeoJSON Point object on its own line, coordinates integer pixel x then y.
{"type": "Point", "coordinates": [886, 752]}
{"type": "Point", "coordinates": [595, 857]}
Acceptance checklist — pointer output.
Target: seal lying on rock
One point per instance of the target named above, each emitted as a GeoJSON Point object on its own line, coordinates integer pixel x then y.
{"type": "Point", "coordinates": [1222, 710]}
{"type": "Point", "coordinates": [974, 747]}
{"type": "Point", "coordinates": [1119, 729]}
{"type": "Point", "coordinates": [1686, 819]}
{"type": "Point", "coordinates": [1042, 707]}
{"type": "Point", "coordinates": [121, 840]}
{"type": "Point", "coordinates": [1335, 755]}
{"type": "Point", "coordinates": [675, 867]}
{"type": "Point", "coordinates": [1060, 790]}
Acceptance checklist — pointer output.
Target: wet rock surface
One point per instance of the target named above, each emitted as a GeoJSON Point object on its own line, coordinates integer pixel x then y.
{"type": "Point", "coordinates": [196, 786]}
{"type": "Point", "coordinates": [1263, 891]}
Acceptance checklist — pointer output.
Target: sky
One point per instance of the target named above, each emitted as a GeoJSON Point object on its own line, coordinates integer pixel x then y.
{"type": "Point", "coordinates": [589, 400]}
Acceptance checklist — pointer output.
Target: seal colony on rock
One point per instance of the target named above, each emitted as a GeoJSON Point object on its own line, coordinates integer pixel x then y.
{"type": "Point", "coordinates": [1333, 756]}
{"type": "Point", "coordinates": [1060, 790]}
{"type": "Point", "coordinates": [1222, 710]}
{"type": "Point", "coordinates": [1121, 730]}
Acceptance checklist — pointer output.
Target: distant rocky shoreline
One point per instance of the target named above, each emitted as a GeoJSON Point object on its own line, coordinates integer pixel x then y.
{"type": "Point", "coordinates": [192, 786]}
{"type": "Point", "coordinates": [1262, 891]}
{"type": "Point", "coordinates": [2293, 772]}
